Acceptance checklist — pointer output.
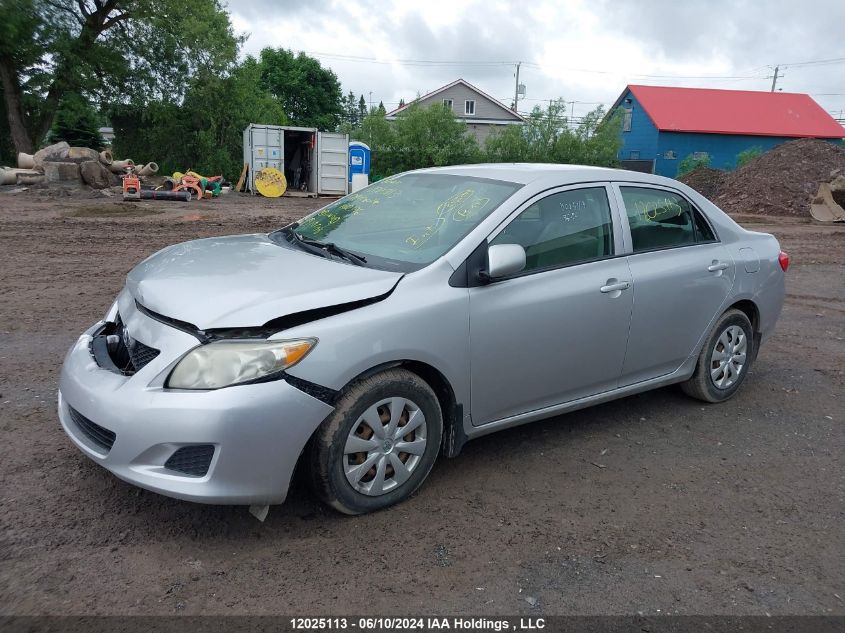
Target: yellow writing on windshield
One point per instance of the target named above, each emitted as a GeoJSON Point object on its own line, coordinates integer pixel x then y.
{"type": "Point", "coordinates": [321, 223]}
{"type": "Point", "coordinates": [460, 207]}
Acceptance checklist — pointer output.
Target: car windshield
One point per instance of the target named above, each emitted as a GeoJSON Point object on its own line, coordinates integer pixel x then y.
{"type": "Point", "coordinates": [406, 221]}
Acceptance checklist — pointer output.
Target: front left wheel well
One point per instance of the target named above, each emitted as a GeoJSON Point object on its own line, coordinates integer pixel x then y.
{"type": "Point", "coordinates": [453, 416]}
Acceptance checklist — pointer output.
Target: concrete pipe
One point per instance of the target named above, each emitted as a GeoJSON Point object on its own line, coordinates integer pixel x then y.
{"type": "Point", "coordinates": [106, 158]}
{"type": "Point", "coordinates": [148, 170]}
{"type": "Point", "coordinates": [81, 154]}
{"type": "Point", "coordinates": [26, 161]}
{"type": "Point", "coordinates": [30, 178]}
{"type": "Point", "coordinates": [9, 176]}
{"type": "Point", "coordinates": [119, 166]}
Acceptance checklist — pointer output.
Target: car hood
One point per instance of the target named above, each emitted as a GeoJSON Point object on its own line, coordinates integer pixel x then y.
{"type": "Point", "coordinates": [247, 281]}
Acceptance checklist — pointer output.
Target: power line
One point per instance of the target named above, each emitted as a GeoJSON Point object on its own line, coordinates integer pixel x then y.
{"type": "Point", "coordinates": [816, 62]}
{"type": "Point", "coordinates": [433, 62]}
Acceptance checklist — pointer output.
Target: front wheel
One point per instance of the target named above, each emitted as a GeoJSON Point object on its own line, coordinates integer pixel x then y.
{"type": "Point", "coordinates": [724, 360]}
{"type": "Point", "coordinates": [379, 444]}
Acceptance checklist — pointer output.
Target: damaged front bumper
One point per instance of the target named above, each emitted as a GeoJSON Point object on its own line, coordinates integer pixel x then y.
{"type": "Point", "coordinates": [236, 445]}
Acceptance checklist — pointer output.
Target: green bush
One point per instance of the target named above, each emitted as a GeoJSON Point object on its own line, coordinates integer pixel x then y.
{"type": "Point", "coordinates": [690, 163]}
{"type": "Point", "coordinates": [547, 137]}
{"type": "Point", "coordinates": [746, 156]}
{"type": "Point", "coordinates": [419, 137]}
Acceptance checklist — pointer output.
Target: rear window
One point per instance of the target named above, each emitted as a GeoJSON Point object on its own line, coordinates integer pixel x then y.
{"type": "Point", "coordinates": [662, 219]}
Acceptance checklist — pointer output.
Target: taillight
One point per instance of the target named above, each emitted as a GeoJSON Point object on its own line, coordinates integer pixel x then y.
{"type": "Point", "coordinates": [783, 260]}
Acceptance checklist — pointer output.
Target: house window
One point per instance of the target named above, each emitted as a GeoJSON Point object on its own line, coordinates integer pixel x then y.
{"type": "Point", "coordinates": [700, 155]}
{"type": "Point", "coordinates": [669, 154]}
{"type": "Point", "coordinates": [469, 107]}
{"type": "Point", "coordinates": [447, 103]}
{"type": "Point", "coordinates": [626, 119]}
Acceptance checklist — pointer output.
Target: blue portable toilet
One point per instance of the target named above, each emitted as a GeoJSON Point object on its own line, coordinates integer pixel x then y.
{"type": "Point", "coordinates": [359, 165]}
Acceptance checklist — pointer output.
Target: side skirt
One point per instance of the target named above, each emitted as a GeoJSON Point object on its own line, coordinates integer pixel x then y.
{"type": "Point", "coordinates": [679, 375]}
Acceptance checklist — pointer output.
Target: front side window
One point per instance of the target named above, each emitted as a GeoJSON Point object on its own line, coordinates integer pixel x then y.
{"type": "Point", "coordinates": [662, 219]}
{"type": "Point", "coordinates": [447, 103]}
{"type": "Point", "coordinates": [469, 107]}
{"type": "Point", "coordinates": [407, 221]}
{"type": "Point", "coordinates": [564, 228]}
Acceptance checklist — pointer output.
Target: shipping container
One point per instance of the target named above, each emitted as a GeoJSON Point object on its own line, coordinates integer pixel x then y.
{"type": "Point", "coordinates": [312, 161]}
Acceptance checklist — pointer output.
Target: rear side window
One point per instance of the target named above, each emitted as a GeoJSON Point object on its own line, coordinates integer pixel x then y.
{"type": "Point", "coordinates": [662, 219]}
{"type": "Point", "coordinates": [564, 228]}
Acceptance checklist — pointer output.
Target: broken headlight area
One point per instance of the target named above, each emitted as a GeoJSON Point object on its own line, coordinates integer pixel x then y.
{"type": "Point", "coordinates": [115, 350]}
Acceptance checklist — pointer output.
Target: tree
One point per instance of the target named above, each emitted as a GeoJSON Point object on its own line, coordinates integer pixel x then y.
{"type": "Point", "coordinates": [431, 136]}
{"type": "Point", "coordinates": [77, 123]}
{"type": "Point", "coordinates": [309, 94]}
{"type": "Point", "coordinates": [547, 137]}
{"type": "Point", "coordinates": [350, 117]}
{"type": "Point", "coordinates": [113, 50]}
{"type": "Point", "coordinates": [362, 108]}
{"type": "Point", "coordinates": [205, 131]}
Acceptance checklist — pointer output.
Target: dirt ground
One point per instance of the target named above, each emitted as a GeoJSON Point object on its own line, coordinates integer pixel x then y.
{"type": "Point", "coordinates": [652, 504]}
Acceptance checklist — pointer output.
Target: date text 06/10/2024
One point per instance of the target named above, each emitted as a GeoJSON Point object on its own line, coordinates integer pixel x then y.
{"type": "Point", "coordinates": [419, 623]}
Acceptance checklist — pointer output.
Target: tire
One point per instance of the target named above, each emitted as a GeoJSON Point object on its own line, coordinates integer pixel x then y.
{"type": "Point", "coordinates": [716, 380]}
{"type": "Point", "coordinates": [384, 474]}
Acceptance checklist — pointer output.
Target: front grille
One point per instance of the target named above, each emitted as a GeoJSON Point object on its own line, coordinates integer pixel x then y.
{"type": "Point", "coordinates": [114, 349]}
{"type": "Point", "coordinates": [92, 433]}
{"type": "Point", "coordinates": [191, 460]}
{"type": "Point", "coordinates": [139, 353]}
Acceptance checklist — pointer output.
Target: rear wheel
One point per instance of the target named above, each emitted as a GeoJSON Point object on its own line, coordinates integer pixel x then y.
{"type": "Point", "coordinates": [724, 360]}
{"type": "Point", "coordinates": [379, 444]}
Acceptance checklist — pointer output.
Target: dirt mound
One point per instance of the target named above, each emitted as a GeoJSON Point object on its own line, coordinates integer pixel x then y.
{"type": "Point", "coordinates": [782, 181]}
{"type": "Point", "coordinates": [705, 180]}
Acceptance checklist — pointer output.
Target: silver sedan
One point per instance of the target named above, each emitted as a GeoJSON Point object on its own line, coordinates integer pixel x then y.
{"type": "Point", "coordinates": [395, 324]}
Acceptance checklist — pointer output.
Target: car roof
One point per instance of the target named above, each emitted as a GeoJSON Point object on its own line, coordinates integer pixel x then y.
{"type": "Point", "coordinates": [525, 173]}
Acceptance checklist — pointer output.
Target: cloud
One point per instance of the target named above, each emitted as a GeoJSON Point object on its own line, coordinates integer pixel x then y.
{"type": "Point", "coordinates": [583, 50]}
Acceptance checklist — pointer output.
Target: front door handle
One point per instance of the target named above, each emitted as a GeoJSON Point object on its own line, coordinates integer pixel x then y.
{"type": "Point", "coordinates": [716, 266]}
{"type": "Point", "coordinates": [615, 287]}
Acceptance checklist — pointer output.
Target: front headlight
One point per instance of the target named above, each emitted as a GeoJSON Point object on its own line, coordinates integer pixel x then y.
{"type": "Point", "coordinates": [227, 363]}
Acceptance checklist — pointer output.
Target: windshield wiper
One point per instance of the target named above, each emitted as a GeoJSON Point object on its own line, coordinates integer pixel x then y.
{"type": "Point", "coordinates": [322, 248]}
{"type": "Point", "coordinates": [301, 242]}
{"type": "Point", "coordinates": [355, 258]}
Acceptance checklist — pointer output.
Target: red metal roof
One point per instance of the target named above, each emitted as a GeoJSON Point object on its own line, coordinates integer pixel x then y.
{"type": "Point", "coordinates": [749, 112]}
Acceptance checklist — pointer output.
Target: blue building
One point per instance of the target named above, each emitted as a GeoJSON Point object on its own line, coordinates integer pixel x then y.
{"type": "Point", "coordinates": [662, 126]}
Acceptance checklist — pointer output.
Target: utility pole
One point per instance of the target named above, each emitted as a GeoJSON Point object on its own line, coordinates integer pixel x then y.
{"type": "Point", "coordinates": [775, 78]}
{"type": "Point", "coordinates": [516, 88]}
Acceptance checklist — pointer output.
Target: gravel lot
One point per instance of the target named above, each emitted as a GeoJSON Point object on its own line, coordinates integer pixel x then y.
{"type": "Point", "coordinates": [653, 503]}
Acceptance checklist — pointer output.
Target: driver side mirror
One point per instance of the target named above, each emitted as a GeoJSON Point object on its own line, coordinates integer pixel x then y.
{"type": "Point", "coordinates": [504, 260]}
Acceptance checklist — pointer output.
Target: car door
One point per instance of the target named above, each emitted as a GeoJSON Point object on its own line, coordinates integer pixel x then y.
{"type": "Point", "coordinates": [557, 330]}
{"type": "Point", "coordinates": [681, 275]}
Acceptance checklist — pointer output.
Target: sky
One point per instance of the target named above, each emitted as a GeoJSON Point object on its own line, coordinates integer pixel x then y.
{"type": "Point", "coordinates": [585, 52]}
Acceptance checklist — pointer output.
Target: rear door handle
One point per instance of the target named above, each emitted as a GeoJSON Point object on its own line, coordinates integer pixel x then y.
{"type": "Point", "coordinates": [717, 266]}
{"type": "Point", "coordinates": [620, 285]}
